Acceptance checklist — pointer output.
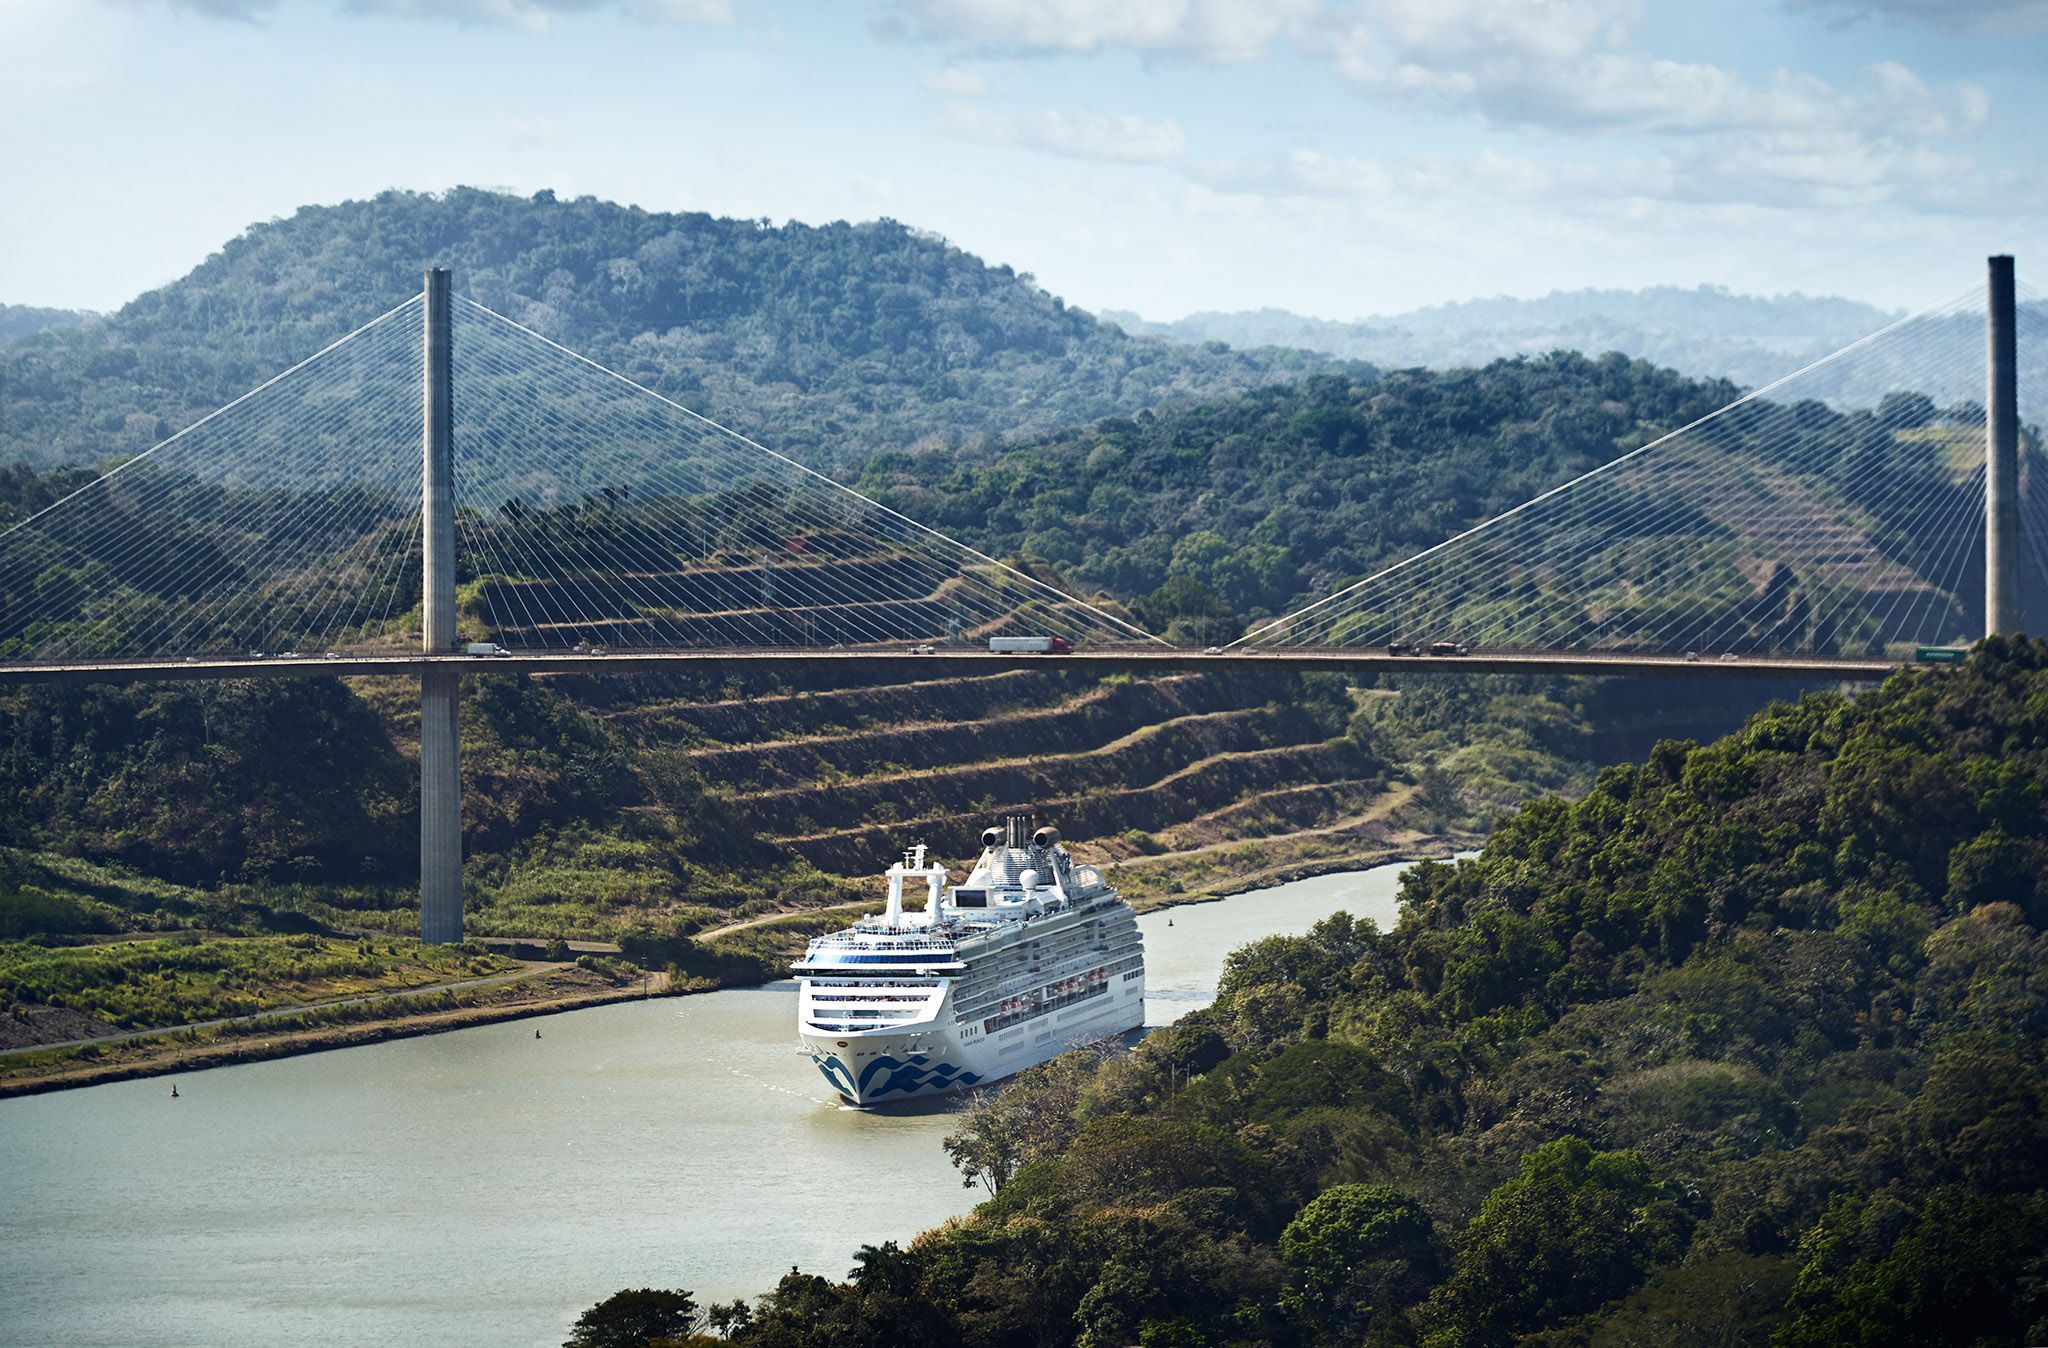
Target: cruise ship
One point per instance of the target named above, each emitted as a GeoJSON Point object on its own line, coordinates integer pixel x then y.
{"type": "Point", "coordinates": [1027, 957]}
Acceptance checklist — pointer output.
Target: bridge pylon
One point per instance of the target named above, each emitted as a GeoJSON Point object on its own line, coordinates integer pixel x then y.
{"type": "Point", "coordinates": [2001, 455]}
{"type": "Point", "coordinates": [440, 733]}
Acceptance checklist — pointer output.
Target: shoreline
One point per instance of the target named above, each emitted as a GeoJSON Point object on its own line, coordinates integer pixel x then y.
{"type": "Point", "coordinates": [290, 1044]}
{"type": "Point", "coordinates": [232, 1050]}
{"type": "Point", "coordinates": [1309, 868]}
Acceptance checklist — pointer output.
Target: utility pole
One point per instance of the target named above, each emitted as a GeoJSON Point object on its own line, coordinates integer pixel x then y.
{"type": "Point", "coordinates": [440, 736]}
{"type": "Point", "coordinates": [2001, 458]}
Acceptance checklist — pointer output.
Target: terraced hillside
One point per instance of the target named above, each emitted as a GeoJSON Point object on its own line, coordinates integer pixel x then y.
{"type": "Point", "coordinates": [1139, 774]}
{"type": "Point", "coordinates": [732, 803]}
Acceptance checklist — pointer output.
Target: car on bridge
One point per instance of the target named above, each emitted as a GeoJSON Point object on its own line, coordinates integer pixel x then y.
{"type": "Point", "coordinates": [1449, 648]}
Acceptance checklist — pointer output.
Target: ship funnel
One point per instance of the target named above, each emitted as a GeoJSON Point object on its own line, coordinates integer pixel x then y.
{"type": "Point", "coordinates": [991, 837]}
{"type": "Point", "coordinates": [1020, 830]}
{"type": "Point", "coordinates": [1045, 837]}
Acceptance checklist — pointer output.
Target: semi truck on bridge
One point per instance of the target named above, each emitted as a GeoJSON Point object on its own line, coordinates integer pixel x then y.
{"type": "Point", "coordinates": [1030, 646]}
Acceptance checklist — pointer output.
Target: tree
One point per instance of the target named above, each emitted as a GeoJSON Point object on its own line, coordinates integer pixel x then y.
{"type": "Point", "coordinates": [885, 1268]}
{"type": "Point", "coordinates": [1715, 1303]}
{"type": "Point", "coordinates": [1357, 1251]}
{"type": "Point", "coordinates": [1576, 1228]}
{"type": "Point", "coordinates": [1965, 1268]}
{"type": "Point", "coordinates": [630, 1319]}
{"type": "Point", "coordinates": [1027, 1118]}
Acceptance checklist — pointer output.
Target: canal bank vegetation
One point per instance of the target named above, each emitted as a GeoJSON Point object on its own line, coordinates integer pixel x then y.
{"type": "Point", "coordinates": [1744, 1044]}
{"type": "Point", "coordinates": [187, 976]}
{"type": "Point", "coordinates": [544, 991]}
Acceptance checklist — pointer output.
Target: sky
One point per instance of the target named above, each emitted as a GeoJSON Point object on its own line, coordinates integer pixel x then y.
{"type": "Point", "coordinates": [1338, 158]}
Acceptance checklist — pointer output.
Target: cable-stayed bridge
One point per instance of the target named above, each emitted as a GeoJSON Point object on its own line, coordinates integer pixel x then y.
{"type": "Point", "coordinates": [447, 490]}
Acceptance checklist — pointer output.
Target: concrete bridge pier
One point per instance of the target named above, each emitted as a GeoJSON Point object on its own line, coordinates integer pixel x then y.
{"type": "Point", "coordinates": [440, 690]}
{"type": "Point", "coordinates": [440, 808]}
{"type": "Point", "coordinates": [2001, 457]}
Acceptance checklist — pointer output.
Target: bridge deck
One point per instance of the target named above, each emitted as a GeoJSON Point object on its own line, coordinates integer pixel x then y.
{"type": "Point", "coordinates": [1135, 659]}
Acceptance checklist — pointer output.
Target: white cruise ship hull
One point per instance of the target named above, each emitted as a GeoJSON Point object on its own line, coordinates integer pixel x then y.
{"type": "Point", "coordinates": [936, 1054]}
{"type": "Point", "coordinates": [1028, 957]}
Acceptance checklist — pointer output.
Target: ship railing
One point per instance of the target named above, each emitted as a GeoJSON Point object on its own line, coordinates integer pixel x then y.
{"type": "Point", "coordinates": [841, 981]}
{"type": "Point", "coordinates": [894, 943]}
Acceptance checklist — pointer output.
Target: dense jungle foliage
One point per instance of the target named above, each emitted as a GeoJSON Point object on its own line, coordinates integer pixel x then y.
{"type": "Point", "coordinates": [1210, 514]}
{"type": "Point", "coordinates": [1745, 1045]}
{"type": "Point", "coordinates": [257, 804]}
{"type": "Point", "coordinates": [828, 341]}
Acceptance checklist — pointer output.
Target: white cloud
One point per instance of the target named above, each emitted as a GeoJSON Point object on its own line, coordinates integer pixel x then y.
{"type": "Point", "coordinates": [527, 133]}
{"type": "Point", "coordinates": [953, 83]}
{"type": "Point", "coordinates": [1803, 173]}
{"type": "Point", "coordinates": [1076, 135]}
{"type": "Point", "coordinates": [1814, 173]}
{"type": "Point", "coordinates": [539, 15]}
{"type": "Point", "coordinates": [1957, 16]}
{"type": "Point", "coordinates": [245, 10]}
{"type": "Point", "coordinates": [532, 15]}
{"type": "Point", "coordinates": [1297, 173]}
{"type": "Point", "coordinates": [1216, 30]}
{"type": "Point", "coordinates": [1574, 65]}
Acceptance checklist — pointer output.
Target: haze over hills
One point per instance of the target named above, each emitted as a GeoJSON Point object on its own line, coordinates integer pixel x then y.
{"type": "Point", "coordinates": [1708, 331]}
{"type": "Point", "coordinates": [26, 320]}
{"type": "Point", "coordinates": [830, 341]}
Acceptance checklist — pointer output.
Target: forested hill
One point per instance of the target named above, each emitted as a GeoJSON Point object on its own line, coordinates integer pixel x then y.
{"type": "Point", "coordinates": [832, 341]}
{"type": "Point", "coordinates": [1207, 515]}
{"type": "Point", "coordinates": [1745, 1046]}
{"type": "Point", "coordinates": [1244, 506]}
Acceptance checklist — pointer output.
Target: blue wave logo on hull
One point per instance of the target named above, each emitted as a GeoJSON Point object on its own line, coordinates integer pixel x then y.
{"type": "Point", "coordinates": [907, 1078]}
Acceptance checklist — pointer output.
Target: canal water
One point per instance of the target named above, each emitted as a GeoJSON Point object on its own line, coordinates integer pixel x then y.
{"type": "Point", "coordinates": [485, 1186]}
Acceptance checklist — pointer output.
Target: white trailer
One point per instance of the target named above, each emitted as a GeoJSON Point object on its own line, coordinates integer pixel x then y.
{"type": "Point", "coordinates": [1029, 645]}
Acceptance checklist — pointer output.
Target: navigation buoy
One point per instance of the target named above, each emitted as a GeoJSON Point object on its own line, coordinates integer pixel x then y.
{"type": "Point", "coordinates": [174, 1090]}
{"type": "Point", "coordinates": [536, 1034]}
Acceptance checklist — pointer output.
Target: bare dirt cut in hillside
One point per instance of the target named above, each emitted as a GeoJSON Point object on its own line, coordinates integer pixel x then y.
{"type": "Point", "coordinates": [1142, 776]}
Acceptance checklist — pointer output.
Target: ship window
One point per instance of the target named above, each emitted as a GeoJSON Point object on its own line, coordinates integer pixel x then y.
{"type": "Point", "coordinates": [970, 898]}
